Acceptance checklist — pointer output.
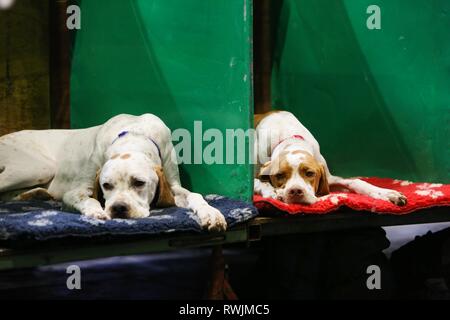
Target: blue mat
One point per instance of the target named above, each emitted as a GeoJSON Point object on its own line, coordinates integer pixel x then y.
{"type": "Point", "coordinates": [45, 220]}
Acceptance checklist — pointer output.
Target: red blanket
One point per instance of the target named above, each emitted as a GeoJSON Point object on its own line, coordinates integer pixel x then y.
{"type": "Point", "coordinates": [420, 196]}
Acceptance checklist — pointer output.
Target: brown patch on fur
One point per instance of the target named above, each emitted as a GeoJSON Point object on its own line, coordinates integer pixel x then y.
{"type": "Point", "coordinates": [115, 156]}
{"type": "Point", "coordinates": [257, 118]}
{"type": "Point", "coordinates": [319, 180]}
{"type": "Point", "coordinates": [97, 192]}
{"type": "Point", "coordinates": [277, 171]}
{"type": "Point", "coordinates": [264, 172]}
{"type": "Point", "coordinates": [323, 187]}
{"type": "Point", "coordinates": [125, 156]}
{"type": "Point", "coordinates": [281, 177]}
{"type": "Point", "coordinates": [36, 194]}
{"type": "Point", "coordinates": [165, 196]}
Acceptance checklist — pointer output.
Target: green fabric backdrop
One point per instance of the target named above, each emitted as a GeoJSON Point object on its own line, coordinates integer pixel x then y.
{"type": "Point", "coordinates": [183, 60]}
{"type": "Point", "coordinates": [377, 100]}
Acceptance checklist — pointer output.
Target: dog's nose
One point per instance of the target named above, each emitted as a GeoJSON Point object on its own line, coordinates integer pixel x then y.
{"type": "Point", "coordinates": [296, 192]}
{"type": "Point", "coordinates": [119, 210]}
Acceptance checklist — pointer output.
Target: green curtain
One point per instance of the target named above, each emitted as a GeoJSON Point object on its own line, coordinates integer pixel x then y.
{"type": "Point", "coordinates": [183, 60]}
{"type": "Point", "coordinates": [377, 100]}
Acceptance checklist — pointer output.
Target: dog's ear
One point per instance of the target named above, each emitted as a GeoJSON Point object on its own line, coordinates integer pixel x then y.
{"type": "Point", "coordinates": [165, 196]}
{"type": "Point", "coordinates": [322, 187]}
{"type": "Point", "coordinates": [97, 192]}
{"type": "Point", "coordinates": [264, 172]}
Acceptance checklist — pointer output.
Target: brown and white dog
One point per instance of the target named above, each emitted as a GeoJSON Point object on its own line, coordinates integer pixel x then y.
{"type": "Point", "coordinates": [129, 159]}
{"type": "Point", "coordinates": [292, 169]}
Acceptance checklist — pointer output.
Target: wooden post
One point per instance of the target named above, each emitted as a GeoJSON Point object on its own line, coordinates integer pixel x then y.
{"type": "Point", "coordinates": [215, 290]}
{"type": "Point", "coordinates": [262, 52]}
{"type": "Point", "coordinates": [60, 53]}
{"type": "Point", "coordinates": [219, 287]}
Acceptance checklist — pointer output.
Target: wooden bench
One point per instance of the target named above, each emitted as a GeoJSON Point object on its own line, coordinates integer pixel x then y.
{"type": "Point", "coordinates": [47, 253]}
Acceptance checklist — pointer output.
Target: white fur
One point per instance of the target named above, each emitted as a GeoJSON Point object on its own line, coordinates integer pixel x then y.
{"type": "Point", "coordinates": [66, 162]}
{"type": "Point", "coordinates": [264, 189]}
{"type": "Point", "coordinates": [295, 159]}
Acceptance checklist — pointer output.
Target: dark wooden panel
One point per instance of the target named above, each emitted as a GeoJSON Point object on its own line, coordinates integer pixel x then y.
{"type": "Point", "coordinates": [24, 75]}
{"type": "Point", "coordinates": [60, 52]}
{"type": "Point", "coordinates": [343, 219]}
{"type": "Point", "coordinates": [262, 53]}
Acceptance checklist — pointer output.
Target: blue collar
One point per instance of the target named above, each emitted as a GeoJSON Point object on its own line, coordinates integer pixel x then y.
{"type": "Point", "coordinates": [124, 133]}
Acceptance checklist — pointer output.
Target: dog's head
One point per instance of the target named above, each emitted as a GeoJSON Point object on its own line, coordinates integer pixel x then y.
{"type": "Point", "coordinates": [129, 184]}
{"type": "Point", "coordinates": [296, 176]}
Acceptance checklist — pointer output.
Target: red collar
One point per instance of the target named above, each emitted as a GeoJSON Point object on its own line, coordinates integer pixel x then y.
{"type": "Point", "coordinates": [295, 136]}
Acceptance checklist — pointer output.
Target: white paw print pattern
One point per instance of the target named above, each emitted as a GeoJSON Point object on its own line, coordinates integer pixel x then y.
{"type": "Point", "coordinates": [162, 217]}
{"type": "Point", "coordinates": [126, 221]}
{"type": "Point", "coordinates": [213, 197]}
{"type": "Point", "coordinates": [403, 183]}
{"type": "Point", "coordinates": [40, 223]}
{"type": "Point", "coordinates": [427, 186]}
{"type": "Point", "coordinates": [429, 190]}
{"type": "Point", "coordinates": [430, 193]}
{"type": "Point", "coordinates": [240, 213]}
{"type": "Point", "coordinates": [94, 222]}
{"type": "Point", "coordinates": [334, 198]}
{"type": "Point", "coordinates": [46, 214]}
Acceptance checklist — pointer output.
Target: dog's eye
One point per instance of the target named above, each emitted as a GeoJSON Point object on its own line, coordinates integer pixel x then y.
{"type": "Point", "coordinates": [108, 186]}
{"type": "Point", "coordinates": [137, 183]}
{"type": "Point", "coordinates": [310, 174]}
{"type": "Point", "coordinates": [279, 176]}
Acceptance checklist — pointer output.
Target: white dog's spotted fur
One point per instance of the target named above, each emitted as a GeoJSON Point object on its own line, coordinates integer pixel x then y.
{"type": "Point", "coordinates": [297, 172]}
{"type": "Point", "coordinates": [64, 164]}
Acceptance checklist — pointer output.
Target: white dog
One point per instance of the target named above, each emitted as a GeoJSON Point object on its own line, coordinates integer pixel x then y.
{"type": "Point", "coordinates": [296, 171]}
{"type": "Point", "coordinates": [129, 161]}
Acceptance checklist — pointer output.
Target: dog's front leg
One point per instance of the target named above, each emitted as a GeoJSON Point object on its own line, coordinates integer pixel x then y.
{"type": "Point", "coordinates": [209, 217]}
{"type": "Point", "coordinates": [81, 200]}
{"type": "Point", "coordinates": [264, 189]}
{"type": "Point", "coordinates": [365, 188]}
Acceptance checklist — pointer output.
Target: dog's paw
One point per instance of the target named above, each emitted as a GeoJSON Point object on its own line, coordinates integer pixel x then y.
{"type": "Point", "coordinates": [393, 196]}
{"type": "Point", "coordinates": [264, 189]}
{"type": "Point", "coordinates": [279, 195]}
{"type": "Point", "coordinates": [211, 219]}
{"type": "Point", "coordinates": [397, 198]}
{"type": "Point", "coordinates": [269, 193]}
{"type": "Point", "coordinates": [97, 214]}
